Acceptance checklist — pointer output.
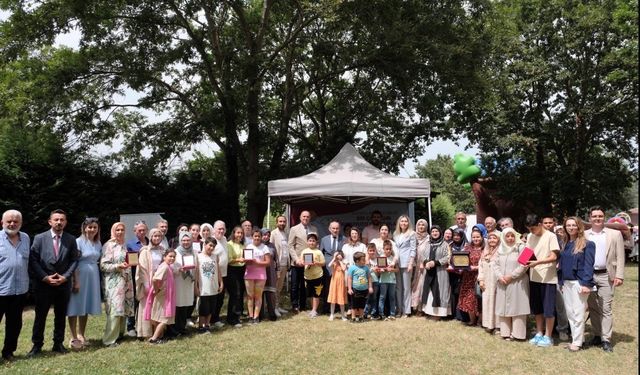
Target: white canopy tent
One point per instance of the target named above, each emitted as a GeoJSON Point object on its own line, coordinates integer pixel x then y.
{"type": "Point", "coordinates": [349, 178]}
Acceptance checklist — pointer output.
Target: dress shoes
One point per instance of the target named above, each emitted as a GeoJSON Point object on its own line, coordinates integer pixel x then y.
{"type": "Point", "coordinates": [595, 341]}
{"type": "Point", "coordinates": [35, 351]}
{"type": "Point", "coordinates": [607, 347]}
{"type": "Point", "coordinates": [8, 357]}
{"type": "Point", "coordinates": [59, 348]}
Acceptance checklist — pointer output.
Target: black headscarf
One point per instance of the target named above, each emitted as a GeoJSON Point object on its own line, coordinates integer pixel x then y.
{"type": "Point", "coordinates": [436, 241]}
{"type": "Point", "coordinates": [458, 246]}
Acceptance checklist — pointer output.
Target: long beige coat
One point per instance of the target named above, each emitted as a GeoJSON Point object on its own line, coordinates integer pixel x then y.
{"type": "Point", "coordinates": [487, 275]}
{"type": "Point", "coordinates": [511, 299]}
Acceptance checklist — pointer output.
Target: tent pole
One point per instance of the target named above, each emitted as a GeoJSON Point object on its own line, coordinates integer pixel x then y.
{"type": "Point", "coordinates": [429, 209]}
{"type": "Point", "coordinates": [269, 212]}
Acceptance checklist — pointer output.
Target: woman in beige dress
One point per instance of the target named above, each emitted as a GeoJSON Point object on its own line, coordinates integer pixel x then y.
{"type": "Point", "coordinates": [149, 259]}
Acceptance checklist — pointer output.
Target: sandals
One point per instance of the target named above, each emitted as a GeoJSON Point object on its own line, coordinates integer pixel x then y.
{"type": "Point", "coordinates": [76, 344]}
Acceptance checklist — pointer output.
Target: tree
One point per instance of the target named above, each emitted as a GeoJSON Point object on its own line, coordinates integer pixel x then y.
{"type": "Point", "coordinates": [277, 86]}
{"type": "Point", "coordinates": [559, 127]}
{"type": "Point", "coordinates": [440, 173]}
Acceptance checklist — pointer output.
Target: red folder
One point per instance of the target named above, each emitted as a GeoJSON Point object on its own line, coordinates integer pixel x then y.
{"type": "Point", "coordinates": [526, 255]}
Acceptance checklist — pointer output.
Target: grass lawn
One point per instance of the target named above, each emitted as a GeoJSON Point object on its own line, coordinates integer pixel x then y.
{"type": "Point", "coordinates": [300, 345]}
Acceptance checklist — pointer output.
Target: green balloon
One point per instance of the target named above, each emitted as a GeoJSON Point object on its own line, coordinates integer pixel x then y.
{"type": "Point", "coordinates": [465, 168]}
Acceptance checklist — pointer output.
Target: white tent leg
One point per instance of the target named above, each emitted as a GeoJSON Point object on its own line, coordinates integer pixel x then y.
{"type": "Point", "coordinates": [268, 212]}
{"type": "Point", "coordinates": [429, 210]}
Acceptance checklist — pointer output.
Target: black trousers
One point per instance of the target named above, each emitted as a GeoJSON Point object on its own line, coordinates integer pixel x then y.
{"type": "Point", "coordinates": [215, 315]}
{"type": "Point", "coordinates": [131, 320]}
{"type": "Point", "coordinates": [326, 283]}
{"type": "Point", "coordinates": [11, 307]}
{"type": "Point", "coordinates": [182, 313]}
{"type": "Point", "coordinates": [298, 290]}
{"type": "Point", "coordinates": [235, 286]}
{"type": "Point", "coordinates": [46, 296]}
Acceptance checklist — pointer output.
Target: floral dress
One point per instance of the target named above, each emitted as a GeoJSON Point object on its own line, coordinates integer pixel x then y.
{"type": "Point", "coordinates": [467, 300]}
{"type": "Point", "coordinates": [118, 284]}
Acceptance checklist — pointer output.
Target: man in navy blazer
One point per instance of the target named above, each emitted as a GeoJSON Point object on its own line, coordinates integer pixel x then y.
{"type": "Point", "coordinates": [53, 258]}
{"type": "Point", "coordinates": [329, 245]}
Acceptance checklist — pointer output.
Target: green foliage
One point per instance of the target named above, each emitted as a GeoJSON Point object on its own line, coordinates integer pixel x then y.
{"type": "Point", "coordinates": [441, 175]}
{"type": "Point", "coordinates": [559, 126]}
{"type": "Point", "coordinates": [442, 211]}
{"type": "Point", "coordinates": [277, 86]}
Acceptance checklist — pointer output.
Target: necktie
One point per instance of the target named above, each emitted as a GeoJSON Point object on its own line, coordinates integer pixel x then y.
{"type": "Point", "coordinates": [334, 244]}
{"type": "Point", "coordinates": [56, 245]}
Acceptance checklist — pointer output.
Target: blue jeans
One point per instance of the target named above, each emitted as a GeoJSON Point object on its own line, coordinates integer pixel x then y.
{"type": "Point", "coordinates": [372, 301]}
{"type": "Point", "coordinates": [387, 291]}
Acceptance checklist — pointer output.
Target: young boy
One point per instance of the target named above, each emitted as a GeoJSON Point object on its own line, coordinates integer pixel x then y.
{"type": "Point", "coordinates": [210, 284]}
{"type": "Point", "coordinates": [359, 284]}
{"type": "Point", "coordinates": [313, 272]}
{"type": "Point", "coordinates": [371, 308]}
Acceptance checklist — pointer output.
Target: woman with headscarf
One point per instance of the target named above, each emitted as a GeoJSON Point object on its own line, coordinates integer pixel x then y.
{"type": "Point", "coordinates": [187, 282]}
{"type": "Point", "coordinates": [405, 240]}
{"type": "Point", "coordinates": [467, 301]}
{"type": "Point", "coordinates": [175, 241]}
{"type": "Point", "coordinates": [512, 288]}
{"type": "Point", "coordinates": [422, 252]}
{"type": "Point", "coordinates": [487, 281]}
{"type": "Point", "coordinates": [482, 229]}
{"type": "Point", "coordinates": [118, 285]}
{"type": "Point", "coordinates": [437, 291]}
{"type": "Point", "coordinates": [458, 242]}
{"type": "Point", "coordinates": [149, 259]}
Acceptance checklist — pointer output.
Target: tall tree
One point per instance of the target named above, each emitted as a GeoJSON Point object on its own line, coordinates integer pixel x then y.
{"type": "Point", "coordinates": [277, 86]}
{"type": "Point", "coordinates": [559, 128]}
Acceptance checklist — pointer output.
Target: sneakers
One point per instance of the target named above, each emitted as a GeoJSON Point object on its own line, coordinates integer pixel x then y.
{"type": "Point", "coordinates": [218, 324]}
{"type": "Point", "coordinates": [238, 325]}
{"type": "Point", "coordinates": [278, 313]}
{"type": "Point", "coordinates": [282, 311]}
{"type": "Point", "coordinates": [203, 330]}
{"type": "Point", "coordinates": [313, 314]}
{"type": "Point", "coordinates": [536, 339]}
{"type": "Point", "coordinates": [331, 317]}
{"type": "Point", "coordinates": [191, 324]}
{"type": "Point", "coordinates": [131, 333]}
{"type": "Point", "coordinates": [545, 342]}
{"type": "Point", "coordinates": [344, 318]}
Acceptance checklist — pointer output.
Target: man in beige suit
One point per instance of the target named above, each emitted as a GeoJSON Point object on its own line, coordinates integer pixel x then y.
{"type": "Point", "coordinates": [280, 238]}
{"type": "Point", "coordinates": [608, 273]}
{"type": "Point", "coordinates": [298, 242]}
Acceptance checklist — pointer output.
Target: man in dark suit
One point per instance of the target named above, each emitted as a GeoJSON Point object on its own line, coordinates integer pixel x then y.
{"type": "Point", "coordinates": [53, 258]}
{"type": "Point", "coordinates": [329, 245]}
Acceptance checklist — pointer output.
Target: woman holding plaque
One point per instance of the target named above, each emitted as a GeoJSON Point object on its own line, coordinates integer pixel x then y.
{"type": "Point", "coordinates": [150, 257]}
{"type": "Point", "coordinates": [468, 302]}
{"type": "Point", "coordinates": [422, 252]}
{"type": "Point", "coordinates": [85, 296]}
{"type": "Point", "coordinates": [437, 291]}
{"type": "Point", "coordinates": [458, 242]}
{"type": "Point", "coordinates": [255, 274]}
{"type": "Point", "coordinates": [187, 282]}
{"type": "Point", "coordinates": [487, 281]}
{"type": "Point", "coordinates": [405, 239]}
{"type": "Point", "coordinates": [512, 289]}
{"type": "Point", "coordinates": [118, 285]}
{"type": "Point", "coordinates": [235, 276]}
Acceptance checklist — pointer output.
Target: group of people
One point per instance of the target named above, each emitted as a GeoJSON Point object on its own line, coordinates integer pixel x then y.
{"type": "Point", "coordinates": [152, 285]}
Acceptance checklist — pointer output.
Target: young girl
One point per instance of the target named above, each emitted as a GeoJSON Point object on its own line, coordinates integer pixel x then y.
{"type": "Point", "coordinates": [210, 283]}
{"type": "Point", "coordinates": [388, 281]}
{"type": "Point", "coordinates": [161, 303]}
{"type": "Point", "coordinates": [255, 275]}
{"type": "Point", "coordinates": [337, 290]}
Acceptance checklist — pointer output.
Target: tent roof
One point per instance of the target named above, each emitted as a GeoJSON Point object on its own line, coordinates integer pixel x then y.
{"type": "Point", "coordinates": [348, 177]}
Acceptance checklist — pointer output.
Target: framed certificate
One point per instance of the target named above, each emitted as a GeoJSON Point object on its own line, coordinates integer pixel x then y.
{"type": "Point", "coordinates": [188, 262]}
{"type": "Point", "coordinates": [132, 258]}
{"type": "Point", "coordinates": [247, 253]}
{"type": "Point", "coordinates": [197, 247]}
{"type": "Point", "coordinates": [460, 259]}
{"type": "Point", "coordinates": [382, 262]}
{"type": "Point", "coordinates": [307, 259]}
